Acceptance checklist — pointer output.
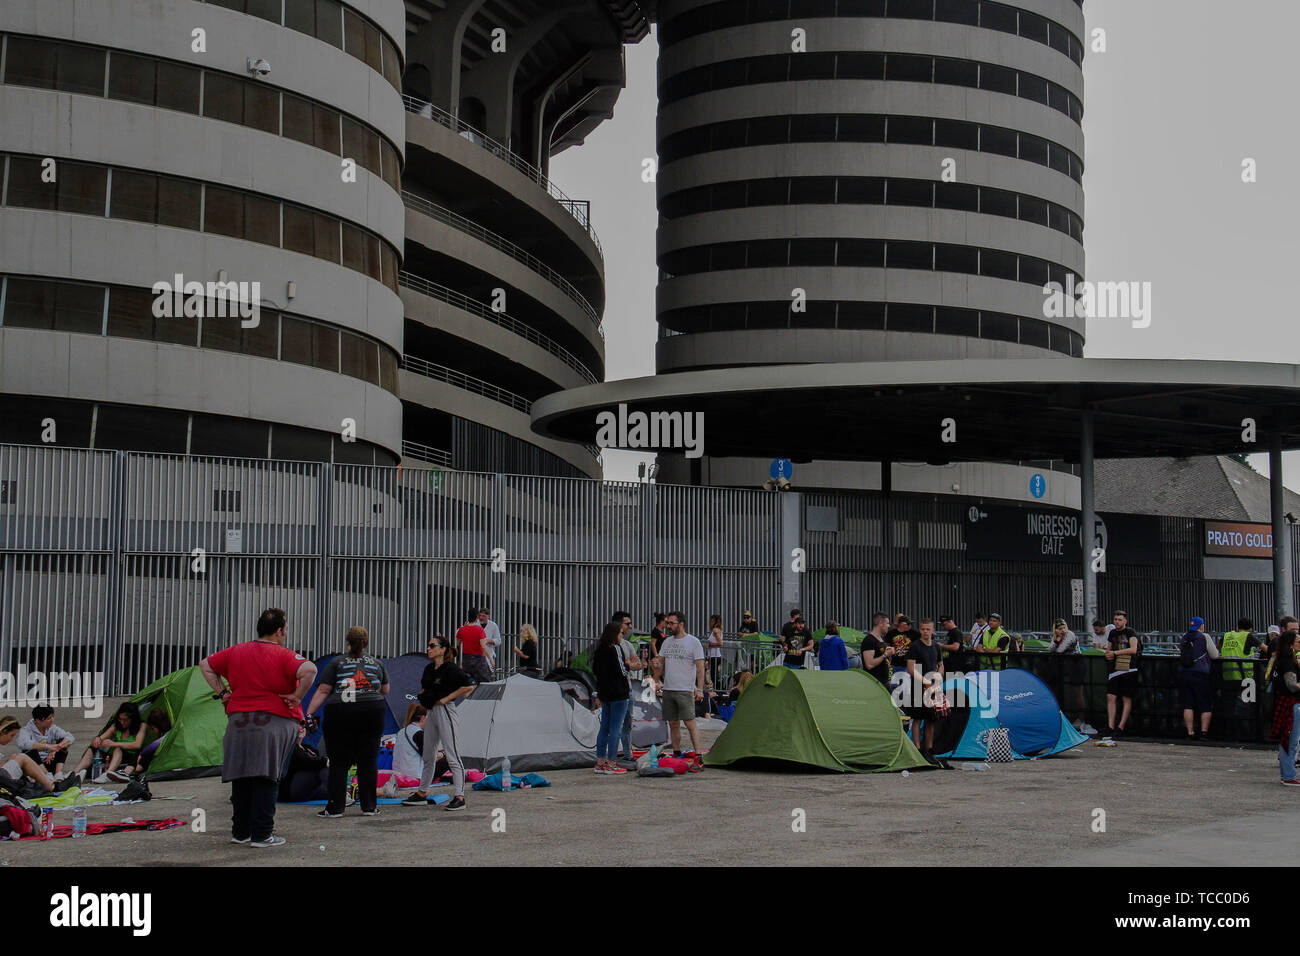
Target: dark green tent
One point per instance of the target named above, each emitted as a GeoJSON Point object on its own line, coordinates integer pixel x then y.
{"type": "Point", "coordinates": [193, 746]}
{"type": "Point", "coordinates": [836, 720]}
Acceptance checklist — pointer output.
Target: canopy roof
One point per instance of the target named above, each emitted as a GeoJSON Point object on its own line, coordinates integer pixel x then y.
{"type": "Point", "coordinates": [1003, 409]}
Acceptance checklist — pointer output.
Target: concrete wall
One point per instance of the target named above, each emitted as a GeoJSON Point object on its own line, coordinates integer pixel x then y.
{"type": "Point", "coordinates": [92, 248]}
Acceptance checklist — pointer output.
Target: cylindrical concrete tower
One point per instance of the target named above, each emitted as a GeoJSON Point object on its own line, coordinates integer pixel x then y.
{"type": "Point", "coordinates": [253, 144]}
{"type": "Point", "coordinates": [862, 180]}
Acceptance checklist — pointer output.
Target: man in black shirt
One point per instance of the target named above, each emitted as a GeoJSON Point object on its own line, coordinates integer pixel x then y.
{"type": "Point", "coordinates": [748, 625]}
{"type": "Point", "coordinates": [797, 643]}
{"type": "Point", "coordinates": [925, 669]}
{"type": "Point", "coordinates": [952, 638]}
{"type": "Point", "coordinates": [877, 653]}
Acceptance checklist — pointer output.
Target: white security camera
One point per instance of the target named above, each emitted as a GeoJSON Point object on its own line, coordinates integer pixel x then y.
{"type": "Point", "coordinates": [260, 67]}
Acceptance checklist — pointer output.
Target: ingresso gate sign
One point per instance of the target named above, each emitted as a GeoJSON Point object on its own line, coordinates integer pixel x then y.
{"type": "Point", "coordinates": [1005, 533]}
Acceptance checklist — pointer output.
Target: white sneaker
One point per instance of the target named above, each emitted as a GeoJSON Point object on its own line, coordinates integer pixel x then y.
{"type": "Point", "coordinates": [390, 786]}
{"type": "Point", "coordinates": [102, 778]}
{"type": "Point", "coordinates": [1087, 729]}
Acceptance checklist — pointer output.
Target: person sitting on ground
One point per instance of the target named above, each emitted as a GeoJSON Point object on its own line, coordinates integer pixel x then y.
{"type": "Point", "coordinates": [119, 744]}
{"type": "Point", "coordinates": [738, 684]}
{"type": "Point", "coordinates": [159, 725]}
{"type": "Point", "coordinates": [15, 768]}
{"type": "Point", "coordinates": [45, 742]}
{"type": "Point", "coordinates": [408, 749]}
{"type": "Point", "coordinates": [307, 777]}
{"type": "Point", "coordinates": [833, 656]}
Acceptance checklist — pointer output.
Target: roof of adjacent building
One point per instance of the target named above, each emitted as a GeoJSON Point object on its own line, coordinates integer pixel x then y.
{"type": "Point", "coordinates": [1216, 487]}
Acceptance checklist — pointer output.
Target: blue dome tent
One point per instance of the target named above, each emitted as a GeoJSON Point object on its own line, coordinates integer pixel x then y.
{"type": "Point", "coordinates": [1014, 699]}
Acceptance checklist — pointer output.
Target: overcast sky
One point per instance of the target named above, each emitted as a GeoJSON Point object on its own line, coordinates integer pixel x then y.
{"type": "Point", "coordinates": [1186, 90]}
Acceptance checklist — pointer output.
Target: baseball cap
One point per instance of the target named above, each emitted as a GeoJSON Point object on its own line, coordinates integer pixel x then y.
{"type": "Point", "coordinates": [1272, 629]}
{"type": "Point", "coordinates": [748, 614]}
{"type": "Point", "coordinates": [1196, 622]}
{"type": "Point", "coordinates": [995, 616]}
{"type": "Point", "coordinates": [904, 620]}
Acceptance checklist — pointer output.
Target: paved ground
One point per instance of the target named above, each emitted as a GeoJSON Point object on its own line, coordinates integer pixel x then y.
{"type": "Point", "coordinates": [1159, 800]}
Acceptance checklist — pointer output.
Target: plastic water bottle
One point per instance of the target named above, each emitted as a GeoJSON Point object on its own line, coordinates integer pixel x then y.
{"type": "Point", "coordinates": [96, 767]}
{"type": "Point", "coordinates": [505, 773]}
{"type": "Point", "coordinates": [79, 816]}
{"type": "Point", "coordinates": [654, 756]}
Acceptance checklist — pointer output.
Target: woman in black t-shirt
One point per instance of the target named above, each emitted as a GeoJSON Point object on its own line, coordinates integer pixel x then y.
{"type": "Point", "coordinates": [527, 651]}
{"type": "Point", "coordinates": [612, 690]}
{"type": "Point", "coordinates": [441, 686]}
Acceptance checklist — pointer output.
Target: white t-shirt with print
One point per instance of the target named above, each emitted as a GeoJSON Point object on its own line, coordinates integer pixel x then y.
{"type": "Point", "coordinates": [680, 655]}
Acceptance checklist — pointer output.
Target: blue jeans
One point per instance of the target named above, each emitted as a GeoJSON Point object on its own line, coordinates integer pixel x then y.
{"type": "Point", "coordinates": [1286, 758]}
{"type": "Point", "coordinates": [627, 731]}
{"type": "Point", "coordinates": [611, 722]}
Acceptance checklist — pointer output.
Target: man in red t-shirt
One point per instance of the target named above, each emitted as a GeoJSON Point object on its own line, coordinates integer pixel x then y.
{"type": "Point", "coordinates": [263, 710]}
{"type": "Point", "coordinates": [469, 641]}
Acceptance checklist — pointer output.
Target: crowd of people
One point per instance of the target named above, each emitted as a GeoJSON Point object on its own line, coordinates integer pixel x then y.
{"type": "Point", "coordinates": [262, 685]}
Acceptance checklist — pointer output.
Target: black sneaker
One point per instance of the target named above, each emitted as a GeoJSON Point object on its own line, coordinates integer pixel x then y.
{"type": "Point", "coordinates": [457, 803]}
{"type": "Point", "coordinates": [328, 815]}
{"type": "Point", "coordinates": [416, 799]}
{"type": "Point", "coordinates": [67, 783]}
{"type": "Point", "coordinates": [370, 813]}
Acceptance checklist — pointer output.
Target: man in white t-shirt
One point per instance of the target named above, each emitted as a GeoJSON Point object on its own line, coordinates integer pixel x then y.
{"type": "Point", "coordinates": [682, 659]}
{"type": "Point", "coordinates": [492, 642]}
{"type": "Point", "coordinates": [1101, 634]}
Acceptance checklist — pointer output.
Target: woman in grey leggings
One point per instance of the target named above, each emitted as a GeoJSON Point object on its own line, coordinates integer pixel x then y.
{"type": "Point", "coordinates": [442, 684]}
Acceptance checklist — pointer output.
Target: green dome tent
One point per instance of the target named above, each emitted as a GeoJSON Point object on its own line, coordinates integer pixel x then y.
{"type": "Point", "coordinates": [837, 720]}
{"type": "Point", "coordinates": [193, 747]}
{"type": "Point", "coordinates": [851, 637]}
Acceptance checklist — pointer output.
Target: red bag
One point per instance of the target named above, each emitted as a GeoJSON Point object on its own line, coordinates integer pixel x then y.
{"type": "Point", "coordinates": [675, 764]}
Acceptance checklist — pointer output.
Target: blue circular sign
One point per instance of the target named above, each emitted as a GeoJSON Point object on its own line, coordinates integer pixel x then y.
{"type": "Point", "coordinates": [1038, 485]}
{"type": "Point", "coordinates": [782, 468]}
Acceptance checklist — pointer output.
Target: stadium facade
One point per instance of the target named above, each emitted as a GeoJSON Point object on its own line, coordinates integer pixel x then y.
{"type": "Point", "coordinates": [371, 175]}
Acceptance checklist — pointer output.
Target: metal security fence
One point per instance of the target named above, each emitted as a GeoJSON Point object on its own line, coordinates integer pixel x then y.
{"type": "Point", "coordinates": [137, 564]}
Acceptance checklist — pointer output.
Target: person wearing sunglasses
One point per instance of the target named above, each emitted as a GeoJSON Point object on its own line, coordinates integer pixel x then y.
{"type": "Point", "coordinates": [441, 686]}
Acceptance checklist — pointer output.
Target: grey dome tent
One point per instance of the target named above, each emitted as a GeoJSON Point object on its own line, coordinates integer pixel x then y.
{"type": "Point", "coordinates": [531, 721]}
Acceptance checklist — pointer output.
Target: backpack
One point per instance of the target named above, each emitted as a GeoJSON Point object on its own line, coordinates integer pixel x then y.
{"type": "Point", "coordinates": [1186, 650]}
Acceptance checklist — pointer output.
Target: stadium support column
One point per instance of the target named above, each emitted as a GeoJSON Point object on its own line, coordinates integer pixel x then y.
{"type": "Point", "coordinates": [1282, 597]}
{"type": "Point", "coordinates": [1087, 504]}
{"type": "Point", "coordinates": [790, 516]}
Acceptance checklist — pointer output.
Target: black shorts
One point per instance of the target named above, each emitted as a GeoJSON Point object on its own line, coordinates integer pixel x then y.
{"type": "Point", "coordinates": [1194, 691]}
{"type": "Point", "coordinates": [921, 713]}
{"type": "Point", "coordinates": [1125, 685]}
